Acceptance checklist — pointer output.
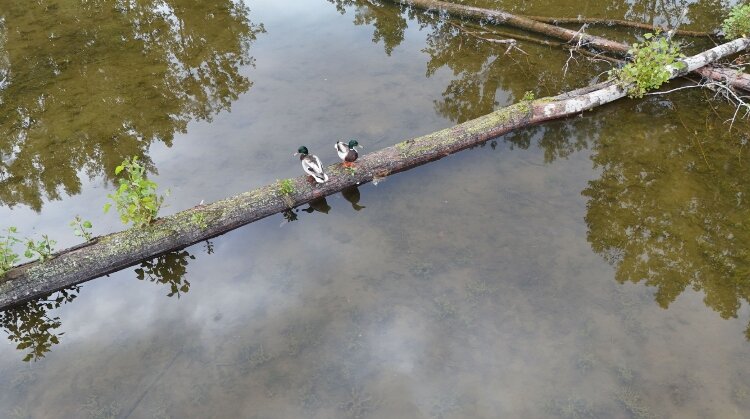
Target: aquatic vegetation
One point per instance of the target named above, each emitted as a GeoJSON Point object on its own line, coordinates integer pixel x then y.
{"type": "Point", "coordinates": [586, 361]}
{"type": "Point", "coordinates": [43, 248]}
{"type": "Point", "coordinates": [20, 413]}
{"type": "Point", "coordinates": [8, 257]}
{"type": "Point", "coordinates": [445, 309]}
{"type": "Point", "coordinates": [136, 199]}
{"type": "Point", "coordinates": [624, 374]}
{"type": "Point", "coordinates": [737, 25]}
{"type": "Point", "coordinates": [96, 409]}
{"type": "Point", "coordinates": [632, 402]}
{"type": "Point", "coordinates": [648, 68]}
{"type": "Point", "coordinates": [571, 408]}
{"type": "Point", "coordinates": [477, 288]}
{"type": "Point", "coordinates": [359, 404]}
{"type": "Point", "coordinates": [423, 270]}
{"type": "Point", "coordinates": [81, 228]}
{"type": "Point", "coordinates": [251, 357]}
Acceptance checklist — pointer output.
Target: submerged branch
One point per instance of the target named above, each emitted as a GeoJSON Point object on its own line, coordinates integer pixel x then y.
{"type": "Point", "coordinates": [613, 22]}
{"type": "Point", "coordinates": [735, 78]}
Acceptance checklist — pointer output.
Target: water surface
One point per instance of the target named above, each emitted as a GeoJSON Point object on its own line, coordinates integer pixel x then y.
{"type": "Point", "coordinates": [593, 267]}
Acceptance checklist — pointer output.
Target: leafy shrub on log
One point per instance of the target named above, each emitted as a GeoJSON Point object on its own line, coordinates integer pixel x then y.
{"type": "Point", "coordinates": [648, 68]}
{"type": "Point", "coordinates": [136, 199]}
{"type": "Point", "coordinates": [737, 25]}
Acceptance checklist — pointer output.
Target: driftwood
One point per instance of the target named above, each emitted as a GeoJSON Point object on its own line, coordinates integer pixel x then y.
{"type": "Point", "coordinates": [116, 251]}
{"type": "Point", "coordinates": [614, 22]}
{"type": "Point", "coordinates": [734, 78]}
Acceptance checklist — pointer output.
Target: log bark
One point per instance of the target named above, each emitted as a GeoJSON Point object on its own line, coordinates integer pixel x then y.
{"type": "Point", "coordinates": [734, 78]}
{"type": "Point", "coordinates": [613, 22]}
{"type": "Point", "coordinates": [117, 251]}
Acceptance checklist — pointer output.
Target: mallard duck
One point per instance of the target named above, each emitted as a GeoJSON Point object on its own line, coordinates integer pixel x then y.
{"type": "Point", "coordinates": [311, 165]}
{"type": "Point", "coordinates": [346, 152]}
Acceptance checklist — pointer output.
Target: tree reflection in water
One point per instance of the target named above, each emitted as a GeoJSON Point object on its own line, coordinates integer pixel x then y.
{"type": "Point", "coordinates": [670, 208]}
{"type": "Point", "coordinates": [32, 328]}
{"type": "Point", "coordinates": [88, 83]}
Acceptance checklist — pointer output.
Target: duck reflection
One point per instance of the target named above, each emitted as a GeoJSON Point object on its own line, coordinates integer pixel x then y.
{"type": "Point", "coordinates": [318, 205]}
{"type": "Point", "coordinates": [351, 194]}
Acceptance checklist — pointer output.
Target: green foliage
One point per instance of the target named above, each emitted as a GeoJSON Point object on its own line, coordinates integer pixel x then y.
{"type": "Point", "coordinates": [43, 248]}
{"type": "Point", "coordinates": [136, 197]}
{"type": "Point", "coordinates": [648, 69]}
{"type": "Point", "coordinates": [200, 219]}
{"type": "Point", "coordinates": [8, 257]}
{"type": "Point", "coordinates": [737, 25]}
{"type": "Point", "coordinates": [286, 187]}
{"type": "Point", "coordinates": [81, 227]}
{"type": "Point", "coordinates": [528, 96]}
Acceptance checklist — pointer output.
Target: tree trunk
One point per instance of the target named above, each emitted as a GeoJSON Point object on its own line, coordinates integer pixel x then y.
{"type": "Point", "coordinates": [613, 22]}
{"type": "Point", "coordinates": [116, 251]}
{"type": "Point", "coordinates": [734, 78]}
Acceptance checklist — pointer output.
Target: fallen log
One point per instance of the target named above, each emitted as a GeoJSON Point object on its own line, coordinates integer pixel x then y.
{"type": "Point", "coordinates": [734, 78]}
{"type": "Point", "coordinates": [613, 22]}
{"type": "Point", "coordinates": [117, 251]}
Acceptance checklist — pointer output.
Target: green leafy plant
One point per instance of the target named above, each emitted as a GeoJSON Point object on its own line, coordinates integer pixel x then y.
{"type": "Point", "coordinates": [200, 219]}
{"type": "Point", "coordinates": [528, 96]}
{"type": "Point", "coordinates": [648, 69]}
{"type": "Point", "coordinates": [737, 25]}
{"type": "Point", "coordinates": [8, 257]}
{"type": "Point", "coordinates": [286, 187]}
{"type": "Point", "coordinates": [43, 248]}
{"type": "Point", "coordinates": [136, 199]}
{"type": "Point", "coordinates": [81, 227]}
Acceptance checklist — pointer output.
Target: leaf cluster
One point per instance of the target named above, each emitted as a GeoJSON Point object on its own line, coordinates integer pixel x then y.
{"type": "Point", "coordinates": [737, 25]}
{"type": "Point", "coordinates": [81, 227]}
{"type": "Point", "coordinates": [43, 248]}
{"type": "Point", "coordinates": [648, 69]}
{"type": "Point", "coordinates": [136, 199]}
{"type": "Point", "coordinates": [8, 257]}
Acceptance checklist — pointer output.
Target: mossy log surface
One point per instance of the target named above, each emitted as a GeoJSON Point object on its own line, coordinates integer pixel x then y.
{"type": "Point", "coordinates": [116, 251]}
{"type": "Point", "coordinates": [733, 77]}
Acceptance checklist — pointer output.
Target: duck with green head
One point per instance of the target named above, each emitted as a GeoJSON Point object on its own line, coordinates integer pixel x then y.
{"type": "Point", "coordinates": [347, 153]}
{"type": "Point", "coordinates": [311, 165]}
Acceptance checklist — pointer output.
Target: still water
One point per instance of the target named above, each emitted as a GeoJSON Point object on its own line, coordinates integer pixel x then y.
{"type": "Point", "coordinates": [593, 267]}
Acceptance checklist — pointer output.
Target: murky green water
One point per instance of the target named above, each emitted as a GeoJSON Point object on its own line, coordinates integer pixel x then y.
{"type": "Point", "coordinates": [593, 267]}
